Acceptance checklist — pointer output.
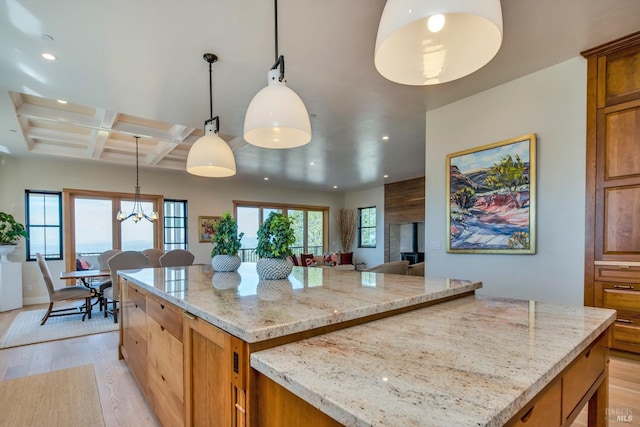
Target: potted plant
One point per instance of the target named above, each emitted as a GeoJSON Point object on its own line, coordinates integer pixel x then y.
{"type": "Point", "coordinates": [226, 244]}
{"type": "Point", "coordinates": [10, 232]}
{"type": "Point", "coordinates": [275, 236]}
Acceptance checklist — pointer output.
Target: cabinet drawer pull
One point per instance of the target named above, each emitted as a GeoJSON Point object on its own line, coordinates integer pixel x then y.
{"type": "Point", "coordinates": [162, 328]}
{"type": "Point", "coordinates": [623, 286]}
{"type": "Point", "coordinates": [163, 378]}
{"type": "Point", "coordinates": [240, 408]}
{"type": "Point", "coordinates": [623, 267]}
{"type": "Point", "coordinates": [624, 321]}
{"type": "Point", "coordinates": [587, 354]}
{"type": "Point", "coordinates": [527, 415]}
{"type": "Point", "coordinates": [162, 306]}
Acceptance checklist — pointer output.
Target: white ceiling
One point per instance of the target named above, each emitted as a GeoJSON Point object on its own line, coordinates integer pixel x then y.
{"type": "Point", "coordinates": [136, 67]}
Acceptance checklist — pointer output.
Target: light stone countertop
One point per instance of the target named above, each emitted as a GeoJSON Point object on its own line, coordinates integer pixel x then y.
{"type": "Point", "coordinates": [255, 311]}
{"type": "Point", "coordinates": [473, 361]}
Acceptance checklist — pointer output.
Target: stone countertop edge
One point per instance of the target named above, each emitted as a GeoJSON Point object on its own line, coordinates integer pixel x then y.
{"type": "Point", "coordinates": [343, 414]}
{"type": "Point", "coordinates": [265, 333]}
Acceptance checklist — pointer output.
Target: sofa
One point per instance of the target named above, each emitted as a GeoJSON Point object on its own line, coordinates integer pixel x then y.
{"type": "Point", "coordinates": [320, 261]}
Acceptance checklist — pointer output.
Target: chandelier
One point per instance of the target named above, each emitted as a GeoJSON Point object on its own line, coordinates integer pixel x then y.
{"type": "Point", "coordinates": [137, 213]}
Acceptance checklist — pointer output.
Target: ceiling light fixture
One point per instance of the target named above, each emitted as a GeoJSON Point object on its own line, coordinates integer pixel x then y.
{"type": "Point", "coordinates": [210, 155]}
{"type": "Point", "coordinates": [49, 56]}
{"type": "Point", "coordinates": [426, 42]}
{"type": "Point", "coordinates": [62, 101]}
{"type": "Point", "coordinates": [277, 117]}
{"type": "Point", "coordinates": [137, 213]}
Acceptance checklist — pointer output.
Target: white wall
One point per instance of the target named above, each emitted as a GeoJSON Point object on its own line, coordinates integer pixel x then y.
{"type": "Point", "coordinates": [364, 199]}
{"type": "Point", "coordinates": [206, 196]}
{"type": "Point", "coordinates": [552, 104]}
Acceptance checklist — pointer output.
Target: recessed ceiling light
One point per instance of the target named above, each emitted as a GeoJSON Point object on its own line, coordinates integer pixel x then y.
{"type": "Point", "coordinates": [312, 163]}
{"type": "Point", "coordinates": [385, 176]}
{"type": "Point", "coordinates": [385, 138]}
{"type": "Point", "coordinates": [49, 56]}
{"type": "Point", "coordinates": [62, 101]}
{"type": "Point", "coordinates": [335, 186]}
{"type": "Point", "coordinates": [266, 178]}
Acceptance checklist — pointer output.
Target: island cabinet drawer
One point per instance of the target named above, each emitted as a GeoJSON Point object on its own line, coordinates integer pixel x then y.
{"type": "Point", "coordinates": [581, 375]}
{"type": "Point", "coordinates": [544, 410]}
{"type": "Point", "coordinates": [618, 273]}
{"type": "Point", "coordinates": [137, 297]}
{"type": "Point", "coordinates": [166, 315]}
{"type": "Point", "coordinates": [165, 374]}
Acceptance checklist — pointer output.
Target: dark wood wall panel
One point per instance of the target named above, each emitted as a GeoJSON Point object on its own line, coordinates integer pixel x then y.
{"type": "Point", "coordinates": [403, 202]}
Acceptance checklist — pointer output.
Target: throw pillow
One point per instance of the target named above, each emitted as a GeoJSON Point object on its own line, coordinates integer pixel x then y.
{"type": "Point", "coordinates": [294, 260]}
{"type": "Point", "coordinates": [346, 258]}
{"type": "Point", "coordinates": [307, 259]}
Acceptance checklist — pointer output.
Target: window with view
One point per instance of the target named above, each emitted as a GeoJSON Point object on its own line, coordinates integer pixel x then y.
{"type": "Point", "coordinates": [175, 224]}
{"type": "Point", "coordinates": [44, 224]}
{"type": "Point", "coordinates": [309, 225]}
{"type": "Point", "coordinates": [367, 227]}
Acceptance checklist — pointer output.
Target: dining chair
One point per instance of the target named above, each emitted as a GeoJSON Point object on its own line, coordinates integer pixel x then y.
{"type": "Point", "coordinates": [63, 294]}
{"type": "Point", "coordinates": [103, 265]}
{"type": "Point", "coordinates": [125, 260]}
{"type": "Point", "coordinates": [176, 258]}
{"type": "Point", "coordinates": [154, 256]}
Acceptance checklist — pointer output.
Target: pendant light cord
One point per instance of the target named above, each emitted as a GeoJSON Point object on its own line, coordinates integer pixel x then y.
{"type": "Point", "coordinates": [210, 94]}
{"type": "Point", "coordinates": [137, 171]}
{"type": "Point", "coordinates": [279, 59]}
{"type": "Point", "coordinates": [275, 19]}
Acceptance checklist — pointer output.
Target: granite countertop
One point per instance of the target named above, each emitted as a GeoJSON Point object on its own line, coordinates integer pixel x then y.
{"type": "Point", "coordinates": [473, 361]}
{"type": "Point", "coordinates": [253, 310]}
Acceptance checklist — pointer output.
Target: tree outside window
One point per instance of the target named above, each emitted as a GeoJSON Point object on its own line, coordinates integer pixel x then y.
{"type": "Point", "coordinates": [367, 229]}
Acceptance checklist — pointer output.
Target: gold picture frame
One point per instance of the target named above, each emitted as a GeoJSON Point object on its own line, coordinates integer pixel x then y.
{"type": "Point", "coordinates": [205, 230]}
{"type": "Point", "coordinates": [491, 198]}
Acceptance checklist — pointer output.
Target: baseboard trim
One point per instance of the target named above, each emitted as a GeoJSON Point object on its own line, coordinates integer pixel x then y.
{"type": "Point", "coordinates": [35, 300]}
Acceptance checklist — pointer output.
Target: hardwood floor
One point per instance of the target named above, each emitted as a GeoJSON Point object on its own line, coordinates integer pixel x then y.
{"type": "Point", "coordinates": [121, 400]}
{"type": "Point", "coordinates": [123, 403]}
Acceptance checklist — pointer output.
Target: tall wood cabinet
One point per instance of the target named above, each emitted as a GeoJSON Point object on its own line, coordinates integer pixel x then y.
{"type": "Point", "coordinates": [612, 243]}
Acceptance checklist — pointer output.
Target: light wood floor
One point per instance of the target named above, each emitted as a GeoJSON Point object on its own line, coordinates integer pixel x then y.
{"type": "Point", "coordinates": [123, 403]}
{"type": "Point", "coordinates": [121, 400]}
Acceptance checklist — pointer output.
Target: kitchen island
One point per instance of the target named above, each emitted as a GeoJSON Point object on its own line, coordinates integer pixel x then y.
{"type": "Point", "coordinates": [189, 337]}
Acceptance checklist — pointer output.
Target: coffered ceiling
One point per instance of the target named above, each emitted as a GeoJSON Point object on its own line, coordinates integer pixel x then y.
{"type": "Point", "coordinates": [135, 68]}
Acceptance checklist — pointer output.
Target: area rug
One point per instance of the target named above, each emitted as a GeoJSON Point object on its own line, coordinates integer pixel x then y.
{"type": "Point", "coordinates": [25, 328]}
{"type": "Point", "coordinates": [68, 397]}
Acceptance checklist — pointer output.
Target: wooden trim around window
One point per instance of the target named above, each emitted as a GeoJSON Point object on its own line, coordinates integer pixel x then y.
{"type": "Point", "coordinates": [68, 197]}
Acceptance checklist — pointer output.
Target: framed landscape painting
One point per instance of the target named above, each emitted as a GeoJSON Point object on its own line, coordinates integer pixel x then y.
{"type": "Point", "coordinates": [205, 227]}
{"type": "Point", "coordinates": [491, 198]}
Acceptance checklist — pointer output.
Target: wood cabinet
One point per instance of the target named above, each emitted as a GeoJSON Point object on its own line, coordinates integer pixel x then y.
{"type": "Point", "coordinates": [191, 372]}
{"type": "Point", "coordinates": [612, 240]}
{"type": "Point", "coordinates": [151, 336]}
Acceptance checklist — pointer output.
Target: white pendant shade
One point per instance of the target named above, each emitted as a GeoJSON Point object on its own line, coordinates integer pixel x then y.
{"type": "Point", "coordinates": [277, 117]}
{"type": "Point", "coordinates": [211, 156]}
{"type": "Point", "coordinates": [408, 52]}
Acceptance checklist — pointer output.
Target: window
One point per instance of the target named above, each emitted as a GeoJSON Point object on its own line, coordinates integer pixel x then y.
{"type": "Point", "coordinates": [92, 227]}
{"type": "Point", "coordinates": [367, 227]}
{"type": "Point", "coordinates": [175, 224]}
{"type": "Point", "coordinates": [309, 225]}
{"type": "Point", "coordinates": [44, 224]}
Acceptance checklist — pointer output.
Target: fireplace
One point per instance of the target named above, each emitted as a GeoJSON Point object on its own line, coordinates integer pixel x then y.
{"type": "Point", "coordinates": [407, 242]}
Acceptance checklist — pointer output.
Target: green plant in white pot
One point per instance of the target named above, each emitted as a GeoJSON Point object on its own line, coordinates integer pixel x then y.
{"type": "Point", "coordinates": [226, 244]}
{"type": "Point", "coordinates": [275, 237]}
{"type": "Point", "coordinates": [10, 232]}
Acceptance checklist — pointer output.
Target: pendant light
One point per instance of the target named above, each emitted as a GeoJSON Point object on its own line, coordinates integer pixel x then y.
{"type": "Point", "coordinates": [277, 117]}
{"type": "Point", "coordinates": [137, 213]}
{"type": "Point", "coordinates": [210, 155]}
{"type": "Point", "coordinates": [426, 42]}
